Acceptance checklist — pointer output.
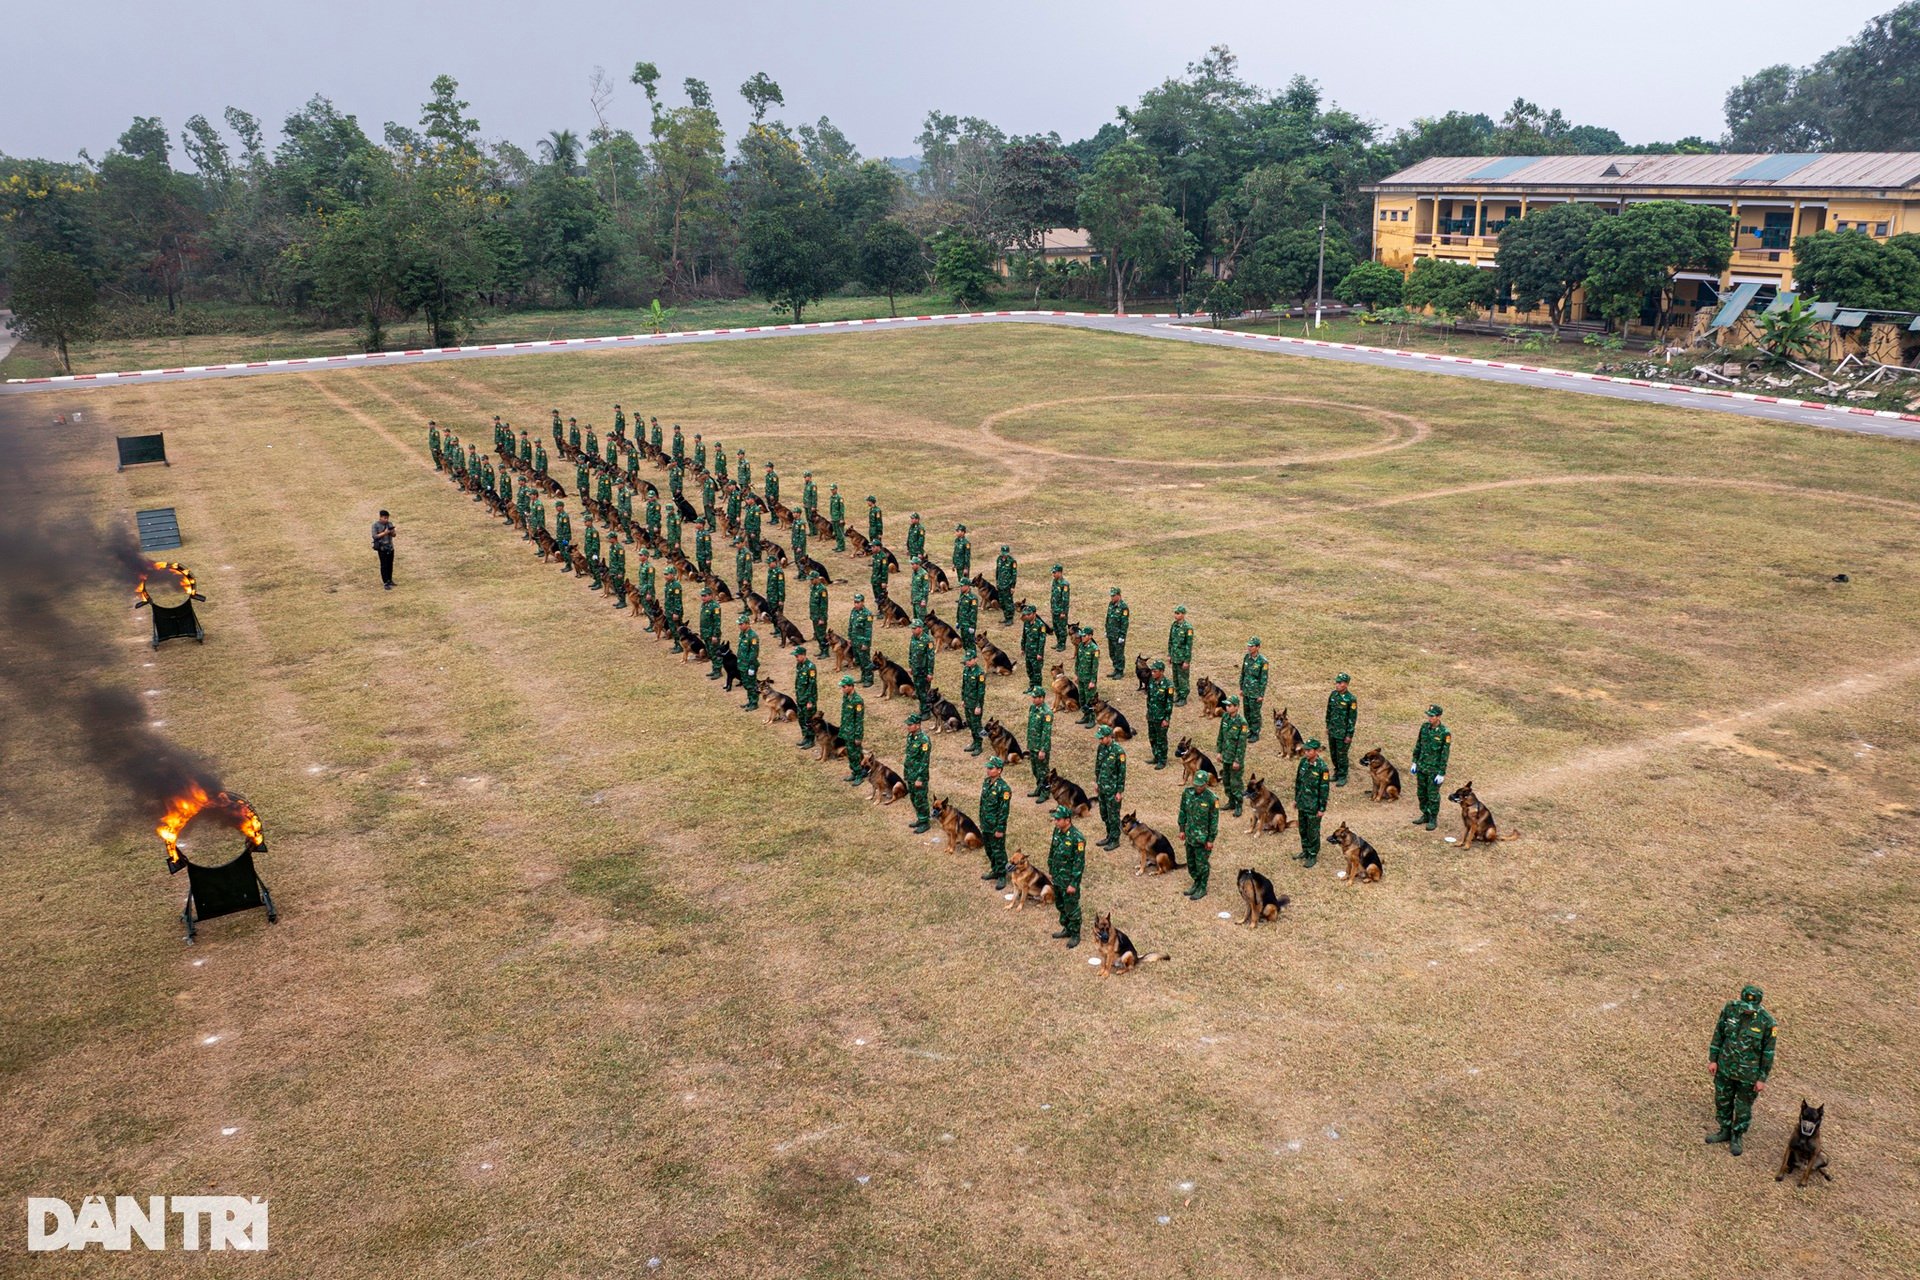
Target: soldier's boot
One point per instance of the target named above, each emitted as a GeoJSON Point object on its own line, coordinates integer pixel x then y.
{"type": "Point", "coordinates": [1073, 942]}
{"type": "Point", "coordinates": [1000, 881]}
{"type": "Point", "coordinates": [991, 874]}
{"type": "Point", "coordinates": [1419, 820]}
{"type": "Point", "coordinates": [805, 744]}
{"type": "Point", "coordinates": [1734, 1145]}
{"type": "Point", "coordinates": [1723, 1134]}
{"type": "Point", "coordinates": [1062, 933]}
{"type": "Point", "coordinates": [1432, 823]}
{"type": "Point", "coordinates": [920, 827]}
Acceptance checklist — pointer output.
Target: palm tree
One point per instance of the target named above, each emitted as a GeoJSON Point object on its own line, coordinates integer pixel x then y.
{"type": "Point", "coordinates": [561, 149]}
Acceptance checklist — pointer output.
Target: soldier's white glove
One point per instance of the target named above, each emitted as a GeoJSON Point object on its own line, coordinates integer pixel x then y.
{"type": "Point", "coordinates": [1413, 768]}
{"type": "Point", "coordinates": [1439, 778]}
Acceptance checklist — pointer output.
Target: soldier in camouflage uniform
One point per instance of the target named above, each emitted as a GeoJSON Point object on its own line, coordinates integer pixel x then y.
{"type": "Point", "coordinates": [617, 569]}
{"type": "Point", "coordinates": [996, 800]}
{"type": "Point", "coordinates": [1006, 575]}
{"type": "Point", "coordinates": [741, 471]}
{"type": "Point", "coordinates": [536, 518]}
{"type": "Point", "coordinates": [876, 520]}
{"type": "Point", "coordinates": [770, 485]}
{"type": "Point", "coordinates": [1059, 601]}
{"type": "Point", "coordinates": [699, 452]}
{"type": "Point", "coordinates": [817, 604]}
{"type": "Point", "coordinates": [1180, 654]}
{"type": "Point", "coordinates": [653, 514]}
{"type": "Point", "coordinates": [837, 516]}
{"type": "Point", "coordinates": [920, 587]}
{"type": "Point", "coordinates": [1343, 713]}
{"type": "Point", "coordinates": [747, 658]}
{"type": "Point", "coordinates": [672, 532]}
{"type": "Point", "coordinates": [776, 589]}
{"type": "Point", "coordinates": [916, 538]}
{"type": "Point", "coordinates": [590, 548]}
{"type": "Point", "coordinates": [1086, 669]}
{"type": "Point", "coordinates": [962, 554]}
{"type": "Point", "coordinates": [1742, 1056]}
{"type": "Point", "coordinates": [1110, 779]}
{"type": "Point", "coordinates": [573, 434]}
{"type": "Point", "coordinates": [1199, 825]}
{"type": "Point", "coordinates": [809, 494]}
{"type": "Point", "coordinates": [877, 571]}
{"type": "Point", "coordinates": [860, 638]}
{"type": "Point", "coordinates": [710, 631]}
{"type": "Point", "coordinates": [1430, 752]}
{"type": "Point", "coordinates": [1310, 779]}
{"type": "Point", "coordinates": [1067, 865]}
{"type": "Point", "coordinates": [526, 449]}
{"type": "Point", "coordinates": [853, 729]}
{"type": "Point", "coordinates": [798, 530]}
{"type": "Point", "coordinates": [920, 666]}
{"type": "Point", "coordinates": [540, 459]}
{"type": "Point", "coordinates": [1232, 746]}
{"type": "Point", "coordinates": [806, 694]}
{"type": "Point", "coordinates": [1159, 712]}
{"type": "Point", "coordinates": [593, 444]}
{"type": "Point", "coordinates": [433, 445]}
{"type": "Point", "coordinates": [1253, 687]}
{"type": "Point", "coordinates": [742, 564]}
{"type": "Point", "coordinates": [643, 580]}
{"type": "Point", "coordinates": [679, 444]}
{"type": "Point", "coordinates": [917, 771]}
{"type": "Point", "coordinates": [1118, 620]}
{"type": "Point", "coordinates": [752, 523]}
{"type": "Point", "coordinates": [966, 614]}
{"type": "Point", "coordinates": [702, 548]}
{"type": "Point", "coordinates": [973, 700]}
{"type": "Point", "coordinates": [670, 606]}
{"type": "Point", "coordinates": [559, 434]}
{"type": "Point", "coordinates": [1039, 741]}
{"type": "Point", "coordinates": [1033, 641]}
{"type": "Point", "coordinates": [562, 529]}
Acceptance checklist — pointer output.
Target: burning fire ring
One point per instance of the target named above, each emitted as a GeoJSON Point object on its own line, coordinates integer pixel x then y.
{"type": "Point", "coordinates": [181, 590]}
{"type": "Point", "coordinates": [229, 808]}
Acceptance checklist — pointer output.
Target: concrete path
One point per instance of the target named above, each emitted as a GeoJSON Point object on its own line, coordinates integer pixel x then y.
{"type": "Point", "coordinates": [1165, 328]}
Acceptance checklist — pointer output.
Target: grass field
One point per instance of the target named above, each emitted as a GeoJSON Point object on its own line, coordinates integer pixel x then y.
{"type": "Point", "coordinates": [1555, 355]}
{"type": "Point", "coordinates": [581, 966]}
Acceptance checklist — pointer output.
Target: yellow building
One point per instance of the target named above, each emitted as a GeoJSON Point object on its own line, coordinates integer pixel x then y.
{"type": "Point", "coordinates": [1058, 244]}
{"type": "Point", "coordinates": [1454, 206]}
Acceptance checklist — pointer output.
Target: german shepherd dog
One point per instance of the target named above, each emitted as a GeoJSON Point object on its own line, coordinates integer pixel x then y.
{"type": "Point", "coordinates": [886, 785]}
{"type": "Point", "coordinates": [1142, 672]}
{"type": "Point", "coordinates": [1476, 819]}
{"type": "Point", "coordinates": [1030, 883]}
{"type": "Point", "coordinates": [856, 542]}
{"type": "Point", "coordinates": [1386, 778]}
{"type": "Point", "coordinates": [946, 716]}
{"type": "Point", "coordinates": [790, 635]}
{"type": "Point", "coordinates": [721, 591]}
{"type": "Point", "coordinates": [827, 734]}
{"type": "Point", "coordinates": [696, 648]}
{"type": "Point", "coordinates": [809, 565]}
{"type": "Point", "coordinates": [943, 633]}
{"type": "Point", "coordinates": [1117, 954]}
{"type": "Point", "coordinates": [1269, 814]}
{"type": "Point", "coordinates": [1192, 760]}
{"type": "Point", "coordinates": [894, 678]}
{"type": "Point", "coordinates": [989, 594]}
{"type": "Point", "coordinates": [1004, 744]}
{"type": "Point", "coordinates": [1106, 713]}
{"type": "Point", "coordinates": [1069, 793]}
{"type": "Point", "coordinates": [998, 662]}
{"type": "Point", "coordinates": [1066, 693]}
{"type": "Point", "coordinates": [892, 615]}
{"type": "Point", "coordinates": [1363, 860]}
{"type": "Point", "coordinates": [1262, 902]}
{"type": "Point", "coordinates": [779, 705]}
{"type": "Point", "coordinates": [962, 832]}
{"type": "Point", "coordinates": [730, 666]}
{"type": "Point", "coordinates": [1803, 1149]}
{"type": "Point", "coordinates": [1156, 851]}
{"type": "Point", "coordinates": [756, 604]}
{"type": "Point", "coordinates": [842, 650]}
{"type": "Point", "coordinates": [1291, 743]}
{"type": "Point", "coordinates": [941, 582]}
{"type": "Point", "coordinates": [1213, 699]}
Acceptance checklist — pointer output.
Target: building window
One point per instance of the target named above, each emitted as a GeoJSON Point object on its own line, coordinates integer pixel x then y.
{"type": "Point", "coordinates": [1880, 228]}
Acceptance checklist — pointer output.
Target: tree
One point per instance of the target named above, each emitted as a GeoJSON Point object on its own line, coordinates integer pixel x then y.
{"type": "Point", "coordinates": [1855, 270]}
{"type": "Point", "coordinates": [688, 152]}
{"type": "Point", "coordinates": [1632, 256]}
{"type": "Point", "coordinates": [560, 151]}
{"type": "Point", "coordinates": [54, 300]}
{"type": "Point", "coordinates": [1225, 300]}
{"type": "Point", "coordinates": [891, 260]}
{"type": "Point", "coordinates": [1117, 206]}
{"type": "Point", "coordinates": [1457, 133]}
{"type": "Point", "coordinates": [1862, 96]}
{"type": "Point", "coordinates": [1035, 184]}
{"type": "Point", "coordinates": [1778, 108]}
{"type": "Point", "coordinates": [761, 92]}
{"type": "Point", "coordinates": [1543, 257]}
{"type": "Point", "coordinates": [1285, 266]}
{"type": "Point", "coordinates": [1451, 290]}
{"type": "Point", "coordinates": [791, 257]}
{"type": "Point", "coordinates": [1372, 285]}
{"type": "Point", "coordinates": [963, 266]}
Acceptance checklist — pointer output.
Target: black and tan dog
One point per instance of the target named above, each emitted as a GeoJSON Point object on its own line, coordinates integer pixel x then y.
{"type": "Point", "coordinates": [1268, 813]}
{"type": "Point", "coordinates": [995, 659]}
{"type": "Point", "coordinates": [1213, 699]}
{"type": "Point", "coordinates": [895, 680]}
{"type": "Point", "coordinates": [886, 785]}
{"type": "Point", "coordinates": [1030, 883]}
{"type": "Point", "coordinates": [827, 735]}
{"type": "Point", "coordinates": [1106, 713]}
{"type": "Point", "coordinates": [1143, 672]}
{"type": "Point", "coordinates": [1066, 691]}
{"type": "Point", "coordinates": [1262, 902]}
{"type": "Point", "coordinates": [1291, 743]}
{"type": "Point", "coordinates": [1069, 793]}
{"type": "Point", "coordinates": [1803, 1149]}
{"type": "Point", "coordinates": [1386, 778]}
{"type": "Point", "coordinates": [779, 705]}
{"type": "Point", "coordinates": [1117, 953]}
{"type": "Point", "coordinates": [891, 614]}
{"type": "Point", "coordinates": [1004, 744]}
{"type": "Point", "coordinates": [1193, 760]}
{"type": "Point", "coordinates": [946, 716]}
{"type": "Point", "coordinates": [1363, 860]}
{"type": "Point", "coordinates": [962, 832]}
{"type": "Point", "coordinates": [1476, 819]}
{"type": "Point", "coordinates": [1156, 851]}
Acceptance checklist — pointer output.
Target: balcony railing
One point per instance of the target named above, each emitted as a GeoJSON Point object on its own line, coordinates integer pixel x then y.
{"type": "Point", "coordinates": [1766, 238]}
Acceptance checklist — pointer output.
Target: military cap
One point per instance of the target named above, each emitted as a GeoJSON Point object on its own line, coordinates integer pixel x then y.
{"type": "Point", "coordinates": [1113, 591]}
{"type": "Point", "coordinates": [801, 652]}
{"type": "Point", "coordinates": [1036, 692]}
{"type": "Point", "coordinates": [1342, 678]}
{"type": "Point", "coordinates": [914, 516]}
{"type": "Point", "coordinates": [972, 655]}
{"type": "Point", "coordinates": [870, 498]}
{"type": "Point", "coordinates": [1005, 547]}
{"type": "Point", "coordinates": [805, 474]}
{"type": "Point", "coordinates": [1233, 699]}
{"type": "Point", "coordinates": [1312, 744]}
{"type": "Point", "coordinates": [959, 528]}
{"type": "Point", "coordinates": [1253, 642]}
{"type": "Point", "coordinates": [706, 591]}
{"type": "Point", "coordinates": [1158, 665]}
{"type": "Point", "coordinates": [834, 487]}
{"type": "Point", "coordinates": [1104, 731]}
{"type": "Point", "coordinates": [1202, 778]}
{"type": "Point", "coordinates": [1061, 812]}
{"type": "Point", "coordinates": [846, 682]}
{"type": "Point", "coordinates": [995, 762]}
{"type": "Point", "coordinates": [1179, 608]}
{"type": "Point", "coordinates": [1434, 710]}
{"type": "Point", "coordinates": [1059, 569]}
{"type": "Point", "coordinates": [915, 718]}
{"type": "Point", "coordinates": [1750, 993]}
{"type": "Point", "coordinates": [1028, 606]}
{"type": "Point", "coordinates": [859, 597]}
{"type": "Point", "coordinates": [745, 618]}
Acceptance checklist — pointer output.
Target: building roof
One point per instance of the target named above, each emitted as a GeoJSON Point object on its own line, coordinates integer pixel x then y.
{"type": "Point", "coordinates": [1864, 170]}
{"type": "Point", "coordinates": [1065, 240]}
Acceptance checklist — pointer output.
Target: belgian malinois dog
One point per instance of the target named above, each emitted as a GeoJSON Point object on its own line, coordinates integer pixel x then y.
{"type": "Point", "coordinates": [1262, 902]}
{"type": "Point", "coordinates": [1291, 743]}
{"type": "Point", "coordinates": [1117, 954]}
{"type": "Point", "coordinates": [779, 705]}
{"type": "Point", "coordinates": [886, 785]}
{"type": "Point", "coordinates": [1476, 819]}
{"type": "Point", "coordinates": [1004, 744]}
{"type": "Point", "coordinates": [1363, 860]}
{"type": "Point", "coordinates": [1069, 793]}
{"type": "Point", "coordinates": [1156, 851]}
{"type": "Point", "coordinates": [996, 660]}
{"type": "Point", "coordinates": [1029, 882]}
{"type": "Point", "coordinates": [1386, 778]}
{"type": "Point", "coordinates": [962, 832]}
{"type": "Point", "coordinates": [1213, 699]}
{"type": "Point", "coordinates": [1269, 814]}
{"type": "Point", "coordinates": [1066, 693]}
{"type": "Point", "coordinates": [1803, 1149]}
{"type": "Point", "coordinates": [1192, 759]}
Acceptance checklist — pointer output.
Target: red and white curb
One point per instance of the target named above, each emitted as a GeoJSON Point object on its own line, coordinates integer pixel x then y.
{"type": "Point", "coordinates": [551, 344]}
{"type": "Point", "coordinates": [1717, 393]}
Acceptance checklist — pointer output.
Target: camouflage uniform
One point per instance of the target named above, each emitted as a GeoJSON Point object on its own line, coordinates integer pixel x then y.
{"type": "Point", "coordinates": [876, 521]}
{"type": "Point", "coordinates": [1180, 656]}
{"type": "Point", "coordinates": [817, 603]}
{"type": "Point", "coordinates": [1430, 752]}
{"type": "Point", "coordinates": [966, 615]}
{"type": "Point", "coordinates": [996, 800]}
{"type": "Point", "coordinates": [806, 694]}
{"type": "Point", "coordinates": [920, 667]}
{"type": "Point", "coordinates": [837, 515]}
{"type": "Point", "coordinates": [1033, 643]}
{"type": "Point", "coordinates": [1310, 800]}
{"type": "Point", "coordinates": [776, 589]}
{"type": "Point", "coordinates": [1059, 601]}
{"type": "Point", "coordinates": [1039, 742]}
{"type": "Point", "coordinates": [1006, 576]}
{"type": "Point", "coordinates": [748, 659]}
{"type": "Point", "coordinates": [1118, 619]}
{"type": "Point", "coordinates": [1159, 713]}
{"type": "Point", "coordinates": [1231, 744]}
{"type": "Point", "coordinates": [710, 631]}
{"type": "Point", "coordinates": [1742, 1054]}
{"type": "Point", "coordinates": [1199, 825]}
{"type": "Point", "coordinates": [1067, 865]}
{"type": "Point", "coordinates": [1343, 714]}
{"type": "Point", "coordinates": [916, 537]}
{"type": "Point", "coordinates": [853, 729]}
{"type": "Point", "coordinates": [433, 446]}
{"type": "Point", "coordinates": [1253, 687]}
{"type": "Point", "coordinates": [670, 606]}
{"type": "Point", "coordinates": [860, 636]}
{"type": "Point", "coordinates": [962, 554]}
{"type": "Point", "coordinates": [1086, 669]}
{"type": "Point", "coordinates": [973, 700]}
{"type": "Point", "coordinates": [1110, 778]}
{"type": "Point", "coordinates": [917, 771]}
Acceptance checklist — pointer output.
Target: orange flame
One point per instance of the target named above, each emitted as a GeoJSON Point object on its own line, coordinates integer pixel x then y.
{"type": "Point", "coordinates": [182, 809]}
{"type": "Point", "coordinates": [174, 567]}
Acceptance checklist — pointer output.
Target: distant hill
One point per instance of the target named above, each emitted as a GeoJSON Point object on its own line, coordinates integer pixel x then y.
{"type": "Point", "coordinates": [905, 164]}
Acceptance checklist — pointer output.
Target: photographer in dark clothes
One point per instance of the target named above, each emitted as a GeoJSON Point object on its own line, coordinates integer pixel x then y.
{"type": "Point", "coordinates": [383, 531]}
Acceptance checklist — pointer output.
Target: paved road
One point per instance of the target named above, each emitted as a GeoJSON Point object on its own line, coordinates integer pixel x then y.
{"type": "Point", "coordinates": [1158, 327]}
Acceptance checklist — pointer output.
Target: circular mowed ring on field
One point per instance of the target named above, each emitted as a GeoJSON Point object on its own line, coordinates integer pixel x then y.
{"type": "Point", "coordinates": [1204, 430]}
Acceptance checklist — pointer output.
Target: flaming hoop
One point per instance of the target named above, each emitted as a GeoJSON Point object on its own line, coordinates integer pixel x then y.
{"type": "Point", "coordinates": [230, 886]}
{"type": "Point", "coordinates": [231, 809]}
{"type": "Point", "coordinates": [182, 587]}
{"type": "Point", "coordinates": [168, 588]}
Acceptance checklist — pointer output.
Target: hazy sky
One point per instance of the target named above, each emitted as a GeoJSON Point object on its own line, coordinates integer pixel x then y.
{"type": "Point", "coordinates": [1653, 69]}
